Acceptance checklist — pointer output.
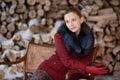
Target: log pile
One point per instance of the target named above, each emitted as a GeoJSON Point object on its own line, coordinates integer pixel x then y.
{"type": "Point", "coordinates": [22, 21]}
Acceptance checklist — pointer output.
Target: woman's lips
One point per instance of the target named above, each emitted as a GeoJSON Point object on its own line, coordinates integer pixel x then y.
{"type": "Point", "coordinates": [72, 28]}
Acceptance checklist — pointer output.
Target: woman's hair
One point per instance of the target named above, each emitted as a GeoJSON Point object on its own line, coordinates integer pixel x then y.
{"type": "Point", "coordinates": [73, 9]}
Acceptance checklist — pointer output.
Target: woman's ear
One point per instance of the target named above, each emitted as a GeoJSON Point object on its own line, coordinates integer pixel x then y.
{"type": "Point", "coordinates": [82, 19]}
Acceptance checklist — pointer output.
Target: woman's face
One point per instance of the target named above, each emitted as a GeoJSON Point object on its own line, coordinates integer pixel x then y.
{"type": "Point", "coordinates": [73, 22]}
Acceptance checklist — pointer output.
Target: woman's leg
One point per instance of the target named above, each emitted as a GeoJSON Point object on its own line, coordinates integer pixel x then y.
{"type": "Point", "coordinates": [40, 75]}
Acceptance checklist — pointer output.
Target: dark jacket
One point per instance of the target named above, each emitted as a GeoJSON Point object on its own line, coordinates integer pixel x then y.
{"type": "Point", "coordinates": [58, 65]}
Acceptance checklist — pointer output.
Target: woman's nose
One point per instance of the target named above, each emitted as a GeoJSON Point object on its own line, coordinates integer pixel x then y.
{"type": "Point", "coordinates": [71, 24]}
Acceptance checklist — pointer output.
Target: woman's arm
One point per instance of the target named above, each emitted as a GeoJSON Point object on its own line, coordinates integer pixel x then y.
{"type": "Point", "coordinates": [68, 60]}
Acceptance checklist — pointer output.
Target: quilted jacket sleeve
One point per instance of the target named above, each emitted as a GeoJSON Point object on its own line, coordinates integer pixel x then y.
{"type": "Point", "coordinates": [68, 60]}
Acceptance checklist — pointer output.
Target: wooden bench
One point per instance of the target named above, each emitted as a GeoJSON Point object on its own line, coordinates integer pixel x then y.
{"type": "Point", "coordinates": [36, 53]}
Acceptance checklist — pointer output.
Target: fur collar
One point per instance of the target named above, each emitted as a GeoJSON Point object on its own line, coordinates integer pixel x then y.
{"type": "Point", "coordinates": [79, 45]}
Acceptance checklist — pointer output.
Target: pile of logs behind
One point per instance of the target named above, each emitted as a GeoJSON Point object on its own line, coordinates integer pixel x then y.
{"type": "Point", "coordinates": [101, 15]}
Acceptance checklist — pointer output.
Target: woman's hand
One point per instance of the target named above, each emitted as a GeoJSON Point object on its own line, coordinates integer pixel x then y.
{"type": "Point", "coordinates": [97, 68]}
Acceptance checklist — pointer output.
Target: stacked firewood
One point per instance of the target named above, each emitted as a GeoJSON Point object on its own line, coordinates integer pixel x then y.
{"type": "Point", "coordinates": [22, 21]}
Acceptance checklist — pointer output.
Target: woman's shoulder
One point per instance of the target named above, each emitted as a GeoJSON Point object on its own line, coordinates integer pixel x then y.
{"type": "Point", "coordinates": [57, 34]}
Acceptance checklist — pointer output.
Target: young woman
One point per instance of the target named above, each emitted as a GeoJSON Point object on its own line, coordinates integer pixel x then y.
{"type": "Point", "coordinates": [74, 42]}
